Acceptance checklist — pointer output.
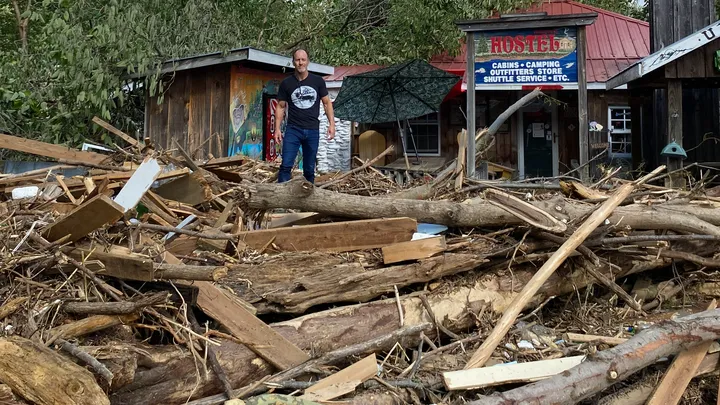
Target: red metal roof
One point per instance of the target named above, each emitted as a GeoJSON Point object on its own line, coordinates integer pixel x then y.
{"type": "Point", "coordinates": [614, 42]}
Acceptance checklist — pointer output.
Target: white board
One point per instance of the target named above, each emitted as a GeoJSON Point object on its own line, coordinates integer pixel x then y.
{"type": "Point", "coordinates": [139, 184]}
{"type": "Point", "coordinates": [508, 373]}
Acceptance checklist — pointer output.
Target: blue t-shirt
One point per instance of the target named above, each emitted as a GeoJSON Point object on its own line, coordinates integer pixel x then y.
{"type": "Point", "coordinates": [303, 99]}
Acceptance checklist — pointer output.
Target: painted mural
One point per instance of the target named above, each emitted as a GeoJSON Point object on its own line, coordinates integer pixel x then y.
{"type": "Point", "coordinates": [247, 87]}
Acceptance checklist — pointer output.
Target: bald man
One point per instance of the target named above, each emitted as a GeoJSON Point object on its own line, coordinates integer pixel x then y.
{"type": "Point", "coordinates": [301, 93]}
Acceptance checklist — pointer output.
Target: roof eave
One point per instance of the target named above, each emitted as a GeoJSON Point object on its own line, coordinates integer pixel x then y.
{"type": "Point", "coordinates": [536, 20]}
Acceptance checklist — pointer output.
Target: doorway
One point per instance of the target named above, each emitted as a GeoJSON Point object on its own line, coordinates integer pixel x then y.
{"type": "Point", "coordinates": [538, 140]}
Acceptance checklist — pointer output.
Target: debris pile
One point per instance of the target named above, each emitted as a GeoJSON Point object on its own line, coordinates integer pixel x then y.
{"type": "Point", "coordinates": [158, 279]}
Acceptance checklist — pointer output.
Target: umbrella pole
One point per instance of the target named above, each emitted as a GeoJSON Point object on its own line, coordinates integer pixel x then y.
{"type": "Point", "coordinates": [402, 139]}
{"type": "Point", "coordinates": [412, 138]}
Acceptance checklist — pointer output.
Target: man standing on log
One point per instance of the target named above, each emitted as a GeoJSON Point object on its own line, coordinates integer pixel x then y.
{"type": "Point", "coordinates": [302, 92]}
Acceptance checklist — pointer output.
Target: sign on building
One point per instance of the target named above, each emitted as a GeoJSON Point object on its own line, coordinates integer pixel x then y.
{"type": "Point", "coordinates": [526, 57]}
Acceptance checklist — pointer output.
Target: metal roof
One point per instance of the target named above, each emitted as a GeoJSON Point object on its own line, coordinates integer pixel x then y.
{"type": "Point", "coordinates": [666, 55]}
{"type": "Point", "coordinates": [614, 42]}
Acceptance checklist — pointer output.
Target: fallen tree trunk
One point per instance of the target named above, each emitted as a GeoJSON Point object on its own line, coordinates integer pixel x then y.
{"type": "Point", "coordinates": [297, 282]}
{"type": "Point", "coordinates": [329, 330]}
{"type": "Point", "coordinates": [44, 377]}
{"type": "Point", "coordinates": [610, 366]}
{"type": "Point", "coordinates": [302, 195]}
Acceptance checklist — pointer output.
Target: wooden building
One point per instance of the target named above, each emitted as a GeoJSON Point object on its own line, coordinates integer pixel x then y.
{"type": "Point", "coordinates": [613, 42]}
{"type": "Point", "coordinates": [675, 90]}
{"type": "Point", "coordinates": [220, 104]}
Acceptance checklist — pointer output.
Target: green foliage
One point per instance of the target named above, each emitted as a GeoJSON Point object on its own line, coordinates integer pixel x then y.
{"type": "Point", "coordinates": [80, 53]}
{"type": "Point", "coordinates": [625, 7]}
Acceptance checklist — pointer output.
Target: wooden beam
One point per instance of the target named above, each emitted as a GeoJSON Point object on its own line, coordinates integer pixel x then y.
{"type": "Point", "coordinates": [675, 132]}
{"type": "Point", "coordinates": [119, 262]}
{"type": "Point", "coordinates": [191, 189]}
{"type": "Point", "coordinates": [583, 128]}
{"type": "Point", "coordinates": [681, 371]}
{"type": "Point", "coordinates": [49, 150]}
{"type": "Point", "coordinates": [582, 338]}
{"type": "Point", "coordinates": [508, 373]}
{"type": "Point", "coordinates": [251, 331]}
{"type": "Point", "coordinates": [214, 244]}
{"type": "Point", "coordinates": [334, 237]}
{"type": "Point", "coordinates": [413, 250]}
{"type": "Point", "coordinates": [89, 216]}
{"type": "Point", "coordinates": [344, 381]}
{"type": "Point", "coordinates": [127, 138]}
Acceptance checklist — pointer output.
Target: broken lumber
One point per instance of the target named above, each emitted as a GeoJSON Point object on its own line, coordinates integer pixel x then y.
{"type": "Point", "coordinates": [487, 348]}
{"type": "Point", "coordinates": [118, 262]}
{"type": "Point", "coordinates": [344, 381]}
{"type": "Point", "coordinates": [87, 217]}
{"type": "Point", "coordinates": [189, 272]}
{"type": "Point", "coordinates": [413, 250]}
{"type": "Point", "coordinates": [127, 138]}
{"type": "Point", "coordinates": [191, 189]}
{"type": "Point", "coordinates": [613, 365]}
{"type": "Point", "coordinates": [336, 180]}
{"type": "Point", "coordinates": [139, 183]}
{"type": "Point", "coordinates": [582, 338]}
{"type": "Point", "coordinates": [508, 373]}
{"type": "Point", "coordinates": [59, 152]}
{"type": "Point", "coordinates": [44, 377]}
{"type": "Point", "coordinates": [681, 371]}
{"type": "Point", "coordinates": [354, 324]}
{"type": "Point", "coordinates": [334, 237]}
{"type": "Point", "coordinates": [254, 333]}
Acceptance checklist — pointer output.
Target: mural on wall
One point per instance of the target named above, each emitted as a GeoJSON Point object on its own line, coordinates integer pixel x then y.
{"type": "Point", "coordinates": [247, 87]}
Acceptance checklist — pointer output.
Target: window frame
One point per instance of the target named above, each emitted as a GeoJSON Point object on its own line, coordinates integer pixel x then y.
{"type": "Point", "coordinates": [626, 132]}
{"type": "Point", "coordinates": [408, 142]}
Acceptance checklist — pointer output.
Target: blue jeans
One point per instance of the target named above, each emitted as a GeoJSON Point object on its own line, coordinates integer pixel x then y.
{"type": "Point", "coordinates": [293, 138]}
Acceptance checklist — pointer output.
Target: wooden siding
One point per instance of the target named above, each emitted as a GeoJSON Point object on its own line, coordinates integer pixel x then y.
{"type": "Point", "coordinates": [195, 112]}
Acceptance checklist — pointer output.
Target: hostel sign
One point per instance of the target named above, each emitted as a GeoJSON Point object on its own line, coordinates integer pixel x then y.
{"type": "Point", "coordinates": [526, 57]}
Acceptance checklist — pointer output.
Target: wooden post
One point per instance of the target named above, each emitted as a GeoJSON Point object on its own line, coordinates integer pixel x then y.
{"type": "Point", "coordinates": [674, 131]}
{"type": "Point", "coordinates": [582, 106]}
{"type": "Point", "coordinates": [470, 72]}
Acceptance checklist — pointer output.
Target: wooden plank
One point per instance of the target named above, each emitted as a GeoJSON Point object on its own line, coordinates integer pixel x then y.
{"type": "Point", "coordinates": [225, 161]}
{"type": "Point", "coordinates": [348, 378]}
{"type": "Point", "coordinates": [413, 250]}
{"type": "Point", "coordinates": [508, 373]}
{"type": "Point", "coordinates": [127, 138]}
{"type": "Point", "coordinates": [86, 218]}
{"type": "Point", "coordinates": [675, 130]}
{"type": "Point", "coordinates": [294, 218]}
{"type": "Point", "coordinates": [49, 150]}
{"type": "Point", "coordinates": [254, 333]}
{"type": "Point", "coordinates": [139, 184]}
{"type": "Point", "coordinates": [64, 186]}
{"type": "Point", "coordinates": [582, 338]}
{"type": "Point", "coordinates": [334, 237]}
{"type": "Point", "coordinates": [119, 262]}
{"type": "Point", "coordinates": [191, 189]}
{"type": "Point", "coordinates": [681, 371]}
{"type": "Point", "coordinates": [214, 244]}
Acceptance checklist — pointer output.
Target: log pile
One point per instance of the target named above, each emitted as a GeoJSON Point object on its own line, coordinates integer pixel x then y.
{"type": "Point", "coordinates": [160, 279]}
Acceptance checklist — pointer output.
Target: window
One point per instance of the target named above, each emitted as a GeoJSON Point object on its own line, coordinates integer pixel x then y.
{"type": "Point", "coordinates": [426, 132]}
{"type": "Point", "coordinates": [620, 132]}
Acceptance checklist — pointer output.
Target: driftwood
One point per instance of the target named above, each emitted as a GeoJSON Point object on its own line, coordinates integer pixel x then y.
{"type": "Point", "coordinates": [613, 365]}
{"type": "Point", "coordinates": [45, 377]}
{"type": "Point", "coordinates": [326, 331]}
{"type": "Point", "coordinates": [301, 195]}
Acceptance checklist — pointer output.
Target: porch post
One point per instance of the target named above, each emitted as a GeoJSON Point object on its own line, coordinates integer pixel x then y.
{"type": "Point", "coordinates": [470, 72]}
{"type": "Point", "coordinates": [674, 131]}
{"type": "Point", "coordinates": [583, 131]}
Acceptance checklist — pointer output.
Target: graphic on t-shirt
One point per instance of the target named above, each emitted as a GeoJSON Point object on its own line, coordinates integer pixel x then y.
{"type": "Point", "coordinates": [304, 97]}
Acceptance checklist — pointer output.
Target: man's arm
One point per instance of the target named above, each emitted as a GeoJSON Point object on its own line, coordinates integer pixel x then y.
{"type": "Point", "coordinates": [330, 116]}
{"type": "Point", "coordinates": [279, 116]}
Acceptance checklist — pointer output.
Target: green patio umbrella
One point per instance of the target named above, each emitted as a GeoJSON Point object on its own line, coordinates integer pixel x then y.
{"type": "Point", "coordinates": [407, 90]}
